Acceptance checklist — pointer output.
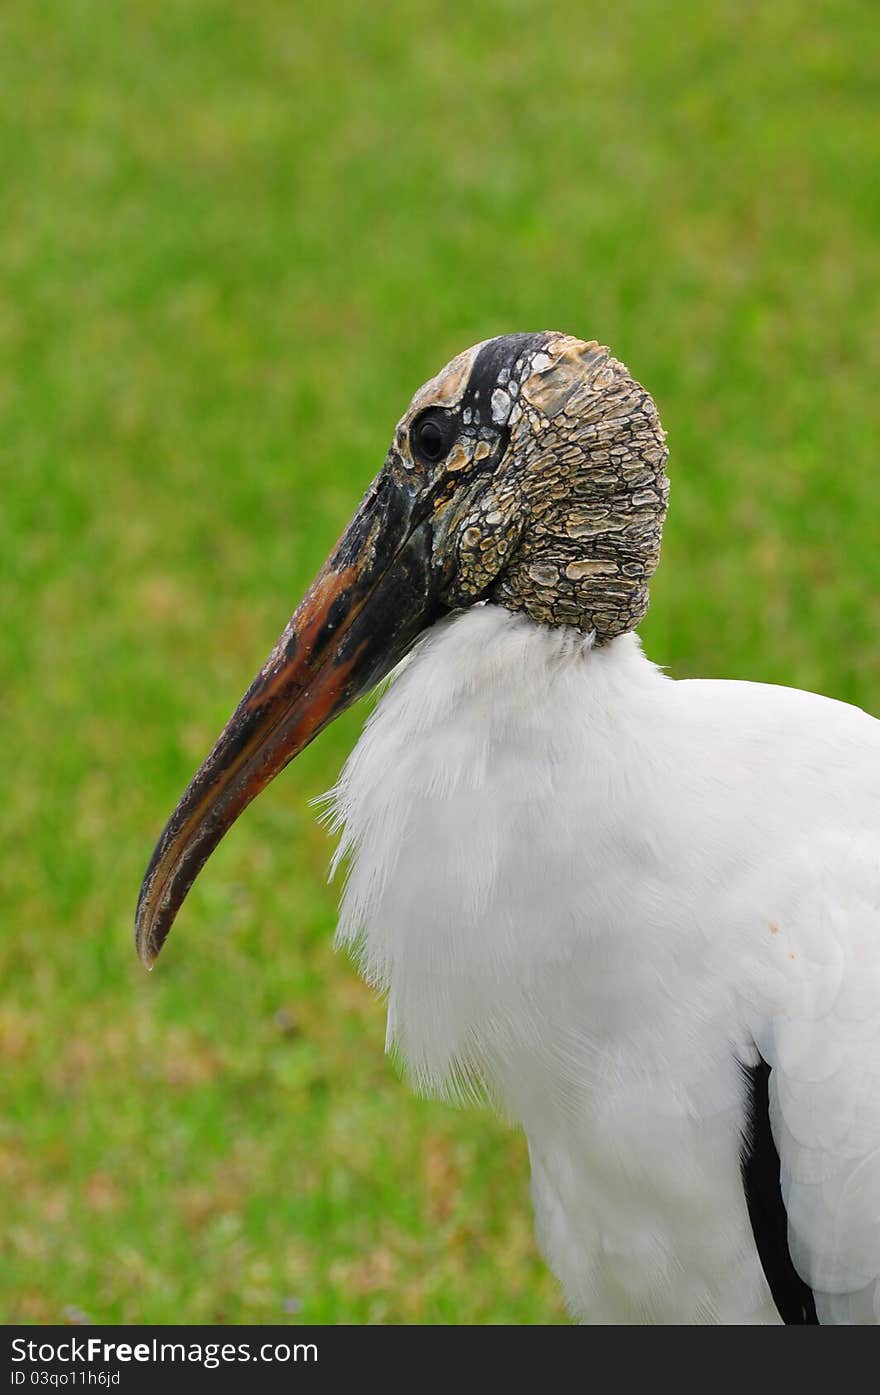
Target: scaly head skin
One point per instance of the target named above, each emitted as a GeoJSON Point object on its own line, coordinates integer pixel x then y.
{"type": "Point", "coordinates": [531, 473]}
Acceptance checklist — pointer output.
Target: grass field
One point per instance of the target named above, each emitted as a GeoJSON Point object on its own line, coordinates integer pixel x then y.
{"type": "Point", "coordinates": [234, 238]}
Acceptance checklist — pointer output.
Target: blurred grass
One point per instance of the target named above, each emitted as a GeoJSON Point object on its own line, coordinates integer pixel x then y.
{"type": "Point", "coordinates": [234, 238]}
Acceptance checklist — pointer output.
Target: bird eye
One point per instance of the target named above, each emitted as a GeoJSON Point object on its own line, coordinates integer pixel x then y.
{"type": "Point", "coordinates": [432, 437]}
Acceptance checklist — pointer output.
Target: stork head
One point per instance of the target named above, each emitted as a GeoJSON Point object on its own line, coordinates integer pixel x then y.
{"type": "Point", "coordinates": [531, 473]}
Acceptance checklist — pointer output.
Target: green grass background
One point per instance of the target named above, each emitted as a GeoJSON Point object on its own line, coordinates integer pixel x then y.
{"type": "Point", "coordinates": [233, 239]}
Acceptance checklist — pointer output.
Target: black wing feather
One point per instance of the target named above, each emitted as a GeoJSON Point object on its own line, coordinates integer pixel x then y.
{"type": "Point", "coordinates": [760, 1172]}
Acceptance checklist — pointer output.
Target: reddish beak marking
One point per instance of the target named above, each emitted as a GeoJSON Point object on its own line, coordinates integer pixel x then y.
{"type": "Point", "coordinates": [363, 612]}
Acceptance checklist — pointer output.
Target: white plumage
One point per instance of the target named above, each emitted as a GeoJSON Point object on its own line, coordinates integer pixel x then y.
{"type": "Point", "coordinates": [597, 890]}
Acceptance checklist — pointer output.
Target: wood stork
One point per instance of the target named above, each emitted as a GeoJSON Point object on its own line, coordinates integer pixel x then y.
{"type": "Point", "coordinates": [643, 915]}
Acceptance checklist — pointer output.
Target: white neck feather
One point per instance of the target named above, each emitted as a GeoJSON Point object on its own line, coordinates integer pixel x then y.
{"type": "Point", "coordinates": [463, 812]}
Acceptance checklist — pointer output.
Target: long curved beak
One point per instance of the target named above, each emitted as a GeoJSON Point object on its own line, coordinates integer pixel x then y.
{"type": "Point", "coordinates": [363, 612]}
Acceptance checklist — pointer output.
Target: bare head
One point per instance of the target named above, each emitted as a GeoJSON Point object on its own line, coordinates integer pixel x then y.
{"type": "Point", "coordinates": [553, 460]}
{"type": "Point", "coordinates": [530, 473]}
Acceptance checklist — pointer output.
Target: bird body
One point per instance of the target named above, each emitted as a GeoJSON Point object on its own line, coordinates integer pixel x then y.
{"type": "Point", "coordinates": [641, 915]}
{"type": "Point", "coordinates": [597, 892]}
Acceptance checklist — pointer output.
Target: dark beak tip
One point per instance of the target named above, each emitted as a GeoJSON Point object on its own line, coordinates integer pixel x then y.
{"type": "Point", "coordinates": [148, 956]}
{"type": "Point", "coordinates": [146, 941]}
{"type": "Point", "coordinates": [147, 951]}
